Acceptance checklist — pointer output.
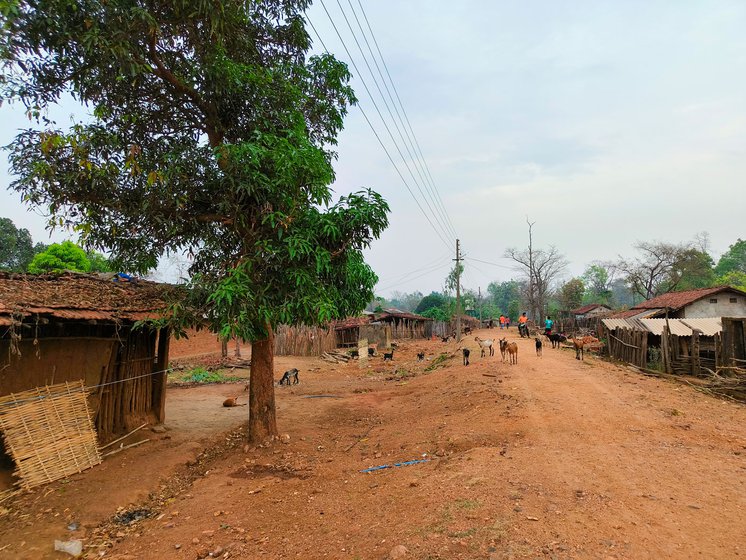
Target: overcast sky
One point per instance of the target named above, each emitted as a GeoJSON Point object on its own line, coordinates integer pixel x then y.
{"type": "Point", "coordinates": [603, 122]}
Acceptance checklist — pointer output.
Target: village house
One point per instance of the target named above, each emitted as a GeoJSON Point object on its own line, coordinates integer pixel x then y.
{"type": "Point", "coordinates": [81, 328]}
{"type": "Point", "coordinates": [590, 310]}
{"type": "Point", "coordinates": [720, 301]}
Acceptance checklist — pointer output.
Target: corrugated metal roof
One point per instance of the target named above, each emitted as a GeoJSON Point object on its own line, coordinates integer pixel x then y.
{"type": "Point", "coordinates": [709, 327]}
{"type": "Point", "coordinates": [679, 327]}
{"type": "Point", "coordinates": [655, 326]}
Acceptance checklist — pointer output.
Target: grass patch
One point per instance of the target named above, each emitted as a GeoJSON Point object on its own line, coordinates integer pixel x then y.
{"type": "Point", "coordinates": [467, 504]}
{"type": "Point", "coordinates": [463, 534]}
{"type": "Point", "coordinates": [201, 375]}
{"type": "Point", "coordinates": [440, 361]}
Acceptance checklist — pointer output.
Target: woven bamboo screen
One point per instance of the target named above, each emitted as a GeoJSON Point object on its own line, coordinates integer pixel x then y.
{"type": "Point", "coordinates": [48, 432]}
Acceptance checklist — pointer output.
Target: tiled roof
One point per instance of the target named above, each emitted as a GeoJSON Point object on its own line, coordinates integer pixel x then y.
{"type": "Point", "coordinates": [79, 296]}
{"type": "Point", "coordinates": [677, 300]}
{"type": "Point", "coordinates": [587, 308]}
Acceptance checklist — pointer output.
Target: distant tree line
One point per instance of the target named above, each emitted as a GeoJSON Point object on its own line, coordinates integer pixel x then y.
{"type": "Point", "coordinates": [655, 268]}
{"type": "Point", "coordinates": [18, 253]}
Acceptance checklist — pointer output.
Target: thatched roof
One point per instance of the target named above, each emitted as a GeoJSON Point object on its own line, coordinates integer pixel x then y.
{"type": "Point", "coordinates": [79, 296]}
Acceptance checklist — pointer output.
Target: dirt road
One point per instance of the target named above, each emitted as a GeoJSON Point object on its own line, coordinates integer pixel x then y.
{"type": "Point", "coordinates": [552, 458]}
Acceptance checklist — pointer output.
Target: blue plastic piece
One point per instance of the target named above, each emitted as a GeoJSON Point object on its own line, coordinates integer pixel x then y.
{"type": "Point", "coordinates": [402, 464]}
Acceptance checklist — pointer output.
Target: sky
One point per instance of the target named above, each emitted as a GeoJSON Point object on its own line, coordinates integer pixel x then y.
{"type": "Point", "coordinates": [604, 123]}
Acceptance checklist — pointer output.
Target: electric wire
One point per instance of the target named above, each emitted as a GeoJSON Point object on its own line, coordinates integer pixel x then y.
{"type": "Point", "coordinates": [490, 263]}
{"type": "Point", "coordinates": [375, 105]}
{"type": "Point", "coordinates": [406, 117]}
{"type": "Point", "coordinates": [416, 158]}
{"type": "Point", "coordinates": [383, 121]}
{"type": "Point", "coordinates": [428, 265]}
{"type": "Point", "coordinates": [441, 265]}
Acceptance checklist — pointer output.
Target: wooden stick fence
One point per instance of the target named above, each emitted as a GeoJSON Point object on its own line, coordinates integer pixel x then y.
{"type": "Point", "coordinates": [304, 341]}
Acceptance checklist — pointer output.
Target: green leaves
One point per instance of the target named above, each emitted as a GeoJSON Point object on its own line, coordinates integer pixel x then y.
{"type": "Point", "coordinates": [210, 134]}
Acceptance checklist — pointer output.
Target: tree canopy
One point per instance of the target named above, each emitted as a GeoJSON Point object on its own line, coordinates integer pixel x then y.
{"type": "Point", "coordinates": [16, 249]}
{"type": "Point", "coordinates": [59, 257]}
{"type": "Point", "coordinates": [733, 260]}
{"type": "Point", "coordinates": [211, 132]}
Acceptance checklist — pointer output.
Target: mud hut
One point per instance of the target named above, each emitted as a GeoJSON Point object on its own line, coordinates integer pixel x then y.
{"type": "Point", "coordinates": [405, 325]}
{"type": "Point", "coordinates": [80, 327]}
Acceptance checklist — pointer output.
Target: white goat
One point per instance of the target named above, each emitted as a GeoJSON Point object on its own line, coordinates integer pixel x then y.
{"type": "Point", "coordinates": [484, 344]}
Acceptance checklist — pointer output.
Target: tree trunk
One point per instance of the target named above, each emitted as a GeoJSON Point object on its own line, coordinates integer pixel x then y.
{"type": "Point", "coordinates": [262, 419]}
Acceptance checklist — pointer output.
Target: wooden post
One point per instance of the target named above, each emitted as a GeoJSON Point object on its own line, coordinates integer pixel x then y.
{"type": "Point", "coordinates": [160, 380]}
{"type": "Point", "coordinates": [694, 351]}
{"type": "Point", "coordinates": [362, 353]}
{"type": "Point", "coordinates": [666, 350]}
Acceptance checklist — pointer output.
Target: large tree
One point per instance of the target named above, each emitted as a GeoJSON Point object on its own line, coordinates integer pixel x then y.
{"type": "Point", "coordinates": [16, 249]}
{"type": "Point", "coordinates": [733, 260]}
{"type": "Point", "coordinates": [597, 279]}
{"type": "Point", "coordinates": [662, 267]}
{"type": "Point", "coordinates": [211, 132]}
{"type": "Point", "coordinates": [570, 294]}
{"type": "Point", "coordinates": [59, 257]}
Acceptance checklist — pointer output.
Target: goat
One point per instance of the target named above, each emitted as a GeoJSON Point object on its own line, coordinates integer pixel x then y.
{"type": "Point", "coordinates": [467, 330]}
{"type": "Point", "coordinates": [389, 355]}
{"type": "Point", "coordinates": [512, 349]}
{"type": "Point", "coordinates": [503, 347]}
{"type": "Point", "coordinates": [291, 373]}
{"type": "Point", "coordinates": [420, 356]}
{"type": "Point", "coordinates": [466, 353]}
{"type": "Point", "coordinates": [556, 339]}
{"type": "Point", "coordinates": [538, 346]}
{"type": "Point", "coordinates": [484, 344]}
{"type": "Point", "coordinates": [580, 344]}
{"type": "Point", "coordinates": [444, 338]}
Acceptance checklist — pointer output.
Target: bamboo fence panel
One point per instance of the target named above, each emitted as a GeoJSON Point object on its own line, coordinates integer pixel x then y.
{"type": "Point", "coordinates": [48, 432]}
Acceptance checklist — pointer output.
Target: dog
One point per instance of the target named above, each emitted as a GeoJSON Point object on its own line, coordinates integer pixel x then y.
{"type": "Point", "coordinates": [232, 401]}
{"type": "Point", "coordinates": [538, 346]}
{"type": "Point", "coordinates": [444, 338]}
{"type": "Point", "coordinates": [420, 356]}
{"type": "Point", "coordinates": [371, 351]}
{"type": "Point", "coordinates": [466, 353]}
{"type": "Point", "coordinates": [388, 356]}
{"type": "Point", "coordinates": [291, 373]}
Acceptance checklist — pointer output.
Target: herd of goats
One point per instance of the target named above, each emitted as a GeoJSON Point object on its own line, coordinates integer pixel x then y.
{"type": "Point", "coordinates": [510, 349]}
{"type": "Point", "coordinates": [507, 349]}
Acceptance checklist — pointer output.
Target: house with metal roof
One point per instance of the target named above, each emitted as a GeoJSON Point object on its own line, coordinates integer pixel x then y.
{"type": "Point", "coordinates": [719, 301]}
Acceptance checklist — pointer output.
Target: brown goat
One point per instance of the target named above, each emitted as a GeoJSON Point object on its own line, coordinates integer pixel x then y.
{"type": "Point", "coordinates": [512, 349]}
{"type": "Point", "coordinates": [580, 344]}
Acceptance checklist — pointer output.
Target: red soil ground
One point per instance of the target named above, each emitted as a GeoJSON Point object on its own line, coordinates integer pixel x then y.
{"type": "Point", "coordinates": [552, 458]}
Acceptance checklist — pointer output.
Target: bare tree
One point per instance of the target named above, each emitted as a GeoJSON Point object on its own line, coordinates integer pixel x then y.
{"type": "Point", "coordinates": [659, 268]}
{"type": "Point", "coordinates": [541, 268]}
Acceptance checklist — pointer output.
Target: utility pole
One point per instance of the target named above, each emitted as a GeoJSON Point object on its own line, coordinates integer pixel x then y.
{"type": "Point", "coordinates": [458, 292]}
{"type": "Point", "coordinates": [480, 307]}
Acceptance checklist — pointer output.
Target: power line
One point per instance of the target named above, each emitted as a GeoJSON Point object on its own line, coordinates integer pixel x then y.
{"type": "Point", "coordinates": [406, 117]}
{"type": "Point", "coordinates": [375, 133]}
{"type": "Point", "coordinates": [375, 105]}
{"type": "Point", "coordinates": [490, 263]}
{"type": "Point", "coordinates": [383, 121]}
{"type": "Point", "coordinates": [428, 265]}
{"type": "Point", "coordinates": [407, 280]}
{"type": "Point", "coordinates": [418, 159]}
